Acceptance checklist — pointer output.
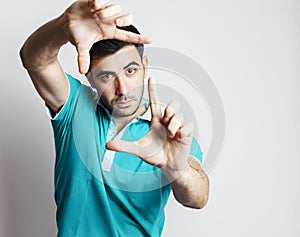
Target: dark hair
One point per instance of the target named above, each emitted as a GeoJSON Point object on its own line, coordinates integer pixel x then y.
{"type": "Point", "coordinates": [107, 47]}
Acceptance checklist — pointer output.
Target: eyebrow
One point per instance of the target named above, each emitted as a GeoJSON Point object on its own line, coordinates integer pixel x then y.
{"type": "Point", "coordinates": [111, 72]}
{"type": "Point", "coordinates": [130, 64]}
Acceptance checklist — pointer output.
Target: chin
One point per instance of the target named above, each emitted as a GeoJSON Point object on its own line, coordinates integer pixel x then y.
{"type": "Point", "coordinates": [118, 113]}
{"type": "Point", "coordinates": [123, 112]}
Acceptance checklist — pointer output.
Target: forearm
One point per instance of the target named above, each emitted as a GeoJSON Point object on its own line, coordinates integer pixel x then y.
{"type": "Point", "coordinates": [191, 189]}
{"type": "Point", "coordinates": [39, 57]}
{"type": "Point", "coordinates": [42, 47]}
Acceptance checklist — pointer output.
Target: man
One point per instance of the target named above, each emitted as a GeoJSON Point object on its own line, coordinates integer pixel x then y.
{"type": "Point", "coordinates": [114, 168]}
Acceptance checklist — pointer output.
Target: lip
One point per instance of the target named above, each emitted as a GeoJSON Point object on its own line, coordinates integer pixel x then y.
{"type": "Point", "coordinates": [124, 104]}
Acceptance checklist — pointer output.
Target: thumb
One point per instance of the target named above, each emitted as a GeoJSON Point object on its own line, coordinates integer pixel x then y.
{"type": "Point", "coordinates": [83, 58]}
{"type": "Point", "coordinates": [123, 146]}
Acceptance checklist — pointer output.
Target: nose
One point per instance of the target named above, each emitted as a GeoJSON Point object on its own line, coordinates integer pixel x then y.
{"type": "Point", "coordinates": [122, 85]}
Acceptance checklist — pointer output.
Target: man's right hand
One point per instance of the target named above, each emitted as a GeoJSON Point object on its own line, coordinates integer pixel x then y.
{"type": "Point", "coordinates": [83, 23]}
{"type": "Point", "coordinates": [88, 21]}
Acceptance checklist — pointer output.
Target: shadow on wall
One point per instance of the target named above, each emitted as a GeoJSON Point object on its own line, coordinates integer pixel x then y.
{"type": "Point", "coordinates": [26, 196]}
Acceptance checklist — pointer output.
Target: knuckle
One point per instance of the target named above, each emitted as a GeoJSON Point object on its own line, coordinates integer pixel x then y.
{"type": "Point", "coordinates": [109, 11]}
{"type": "Point", "coordinates": [127, 37]}
{"type": "Point", "coordinates": [139, 38]}
{"type": "Point", "coordinates": [102, 14]}
{"type": "Point", "coordinates": [173, 125]}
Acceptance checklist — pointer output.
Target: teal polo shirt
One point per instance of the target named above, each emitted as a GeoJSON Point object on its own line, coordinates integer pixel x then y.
{"type": "Point", "coordinates": [101, 193]}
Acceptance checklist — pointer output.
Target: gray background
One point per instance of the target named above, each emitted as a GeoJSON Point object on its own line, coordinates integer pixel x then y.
{"type": "Point", "coordinates": [250, 49]}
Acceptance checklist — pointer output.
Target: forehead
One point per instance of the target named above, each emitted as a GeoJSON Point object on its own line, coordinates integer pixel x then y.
{"type": "Point", "coordinates": [117, 60]}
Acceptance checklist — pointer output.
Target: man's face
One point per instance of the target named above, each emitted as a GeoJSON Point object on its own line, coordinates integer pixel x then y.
{"type": "Point", "coordinates": [119, 80]}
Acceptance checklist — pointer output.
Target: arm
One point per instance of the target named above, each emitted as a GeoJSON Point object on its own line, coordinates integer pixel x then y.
{"type": "Point", "coordinates": [83, 23]}
{"type": "Point", "coordinates": [39, 57]}
{"type": "Point", "coordinates": [191, 189]}
{"type": "Point", "coordinates": [167, 146]}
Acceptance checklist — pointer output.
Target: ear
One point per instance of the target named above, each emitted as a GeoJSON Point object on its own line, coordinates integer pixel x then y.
{"type": "Point", "coordinates": [145, 64]}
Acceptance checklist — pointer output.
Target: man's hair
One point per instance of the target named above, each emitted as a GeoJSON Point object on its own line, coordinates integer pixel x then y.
{"type": "Point", "coordinates": [107, 47]}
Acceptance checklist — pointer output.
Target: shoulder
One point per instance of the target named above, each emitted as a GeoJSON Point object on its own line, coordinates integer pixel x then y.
{"type": "Point", "coordinates": [79, 95]}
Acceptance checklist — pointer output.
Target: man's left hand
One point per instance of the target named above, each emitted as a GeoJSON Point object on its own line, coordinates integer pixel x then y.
{"type": "Point", "coordinates": [168, 142]}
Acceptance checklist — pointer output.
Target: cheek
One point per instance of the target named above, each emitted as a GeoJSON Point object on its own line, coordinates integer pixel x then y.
{"type": "Point", "coordinates": [107, 94]}
{"type": "Point", "coordinates": [104, 89]}
{"type": "Point", "coordinates": [137, 90]}
{"type": "Point", "coordinates": [137, 81]}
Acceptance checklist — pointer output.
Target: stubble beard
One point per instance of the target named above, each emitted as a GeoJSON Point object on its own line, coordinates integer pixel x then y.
{"type": "Point", "coordinates": [115, 111]}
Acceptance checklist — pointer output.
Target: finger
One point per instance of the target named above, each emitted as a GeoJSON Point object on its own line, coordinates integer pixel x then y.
{"type": "Point", "coordinates": [131, 37]}
{"type": "Point", "coordinates": [123, 146]}
{"type": "Point", "coordinates": [153, 97]}
{"type": "Point", "coordinates": [172, 108]}
{"type": "Point", "coordinates": [109, 11]}
{"type": "Point", "coordinates": [83, 58]}
{"type": "Point", "coordinates": [124, 20]}
{"type": "Point", "coordinates": [174, 124]}
{"type": "Point", "coordinates": [97, 4]}
{"type": "Point", "coordinates": [145, 152]}
{"type": "Point", "coordinates": [185, 131]}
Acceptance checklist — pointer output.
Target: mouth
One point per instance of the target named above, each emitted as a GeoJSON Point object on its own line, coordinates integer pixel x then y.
{"type": "Point", "coordinates": [124, 103]}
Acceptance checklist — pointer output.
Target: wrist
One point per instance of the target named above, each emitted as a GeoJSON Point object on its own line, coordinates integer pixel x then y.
{"type": "Point", "coordinates": [60, 37]}
{"type": "Point", "coordinates": [183, 179]}
{"type": "Point", "coordinates": [173, 174]}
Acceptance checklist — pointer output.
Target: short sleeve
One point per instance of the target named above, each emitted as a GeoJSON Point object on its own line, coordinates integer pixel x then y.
{"type": "Point", "coordinates": [195, 150]}
{"type": "Point", "coordinates": [61, 122]}
{"type": "Point", "coordinates": [65, 113]}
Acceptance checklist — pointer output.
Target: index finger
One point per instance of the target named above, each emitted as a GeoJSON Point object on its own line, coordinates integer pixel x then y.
{"type": "Point", "coordinates": [131, 37]}
{"type": "Point", "coordinates": [153, 97]}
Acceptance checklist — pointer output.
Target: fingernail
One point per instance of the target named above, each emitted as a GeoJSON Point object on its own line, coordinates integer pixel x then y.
{"type": "Point", "coordinates": [120, 22]}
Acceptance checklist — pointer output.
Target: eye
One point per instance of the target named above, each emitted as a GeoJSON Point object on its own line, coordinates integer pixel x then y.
{"type": "Point", "coordinates": [106, 77]}
{"type": "Point", "coordinates": [131, 71]}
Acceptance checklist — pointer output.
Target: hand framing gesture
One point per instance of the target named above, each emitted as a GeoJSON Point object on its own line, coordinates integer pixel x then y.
{"type": "Point", "coordinates": [168, 142]}
{"type": "Point", "coordinates": [89, 21]}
